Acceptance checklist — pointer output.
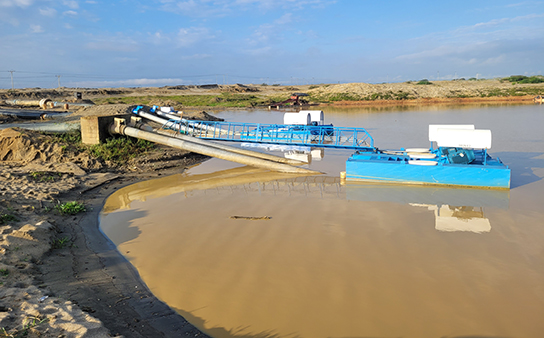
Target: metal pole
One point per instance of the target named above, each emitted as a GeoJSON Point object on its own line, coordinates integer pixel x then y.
{"type": "Point", "coordinates": [12, 87]}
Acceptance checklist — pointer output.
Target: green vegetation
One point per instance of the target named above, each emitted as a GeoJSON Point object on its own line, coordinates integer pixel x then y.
{"type": "Point", "coordinates": [4, 218]}
{"type": "Point", "coordinates": [389, 95]}
{"type": "Point", "coordinates": [71, 137]}
{"type": "Point", "coordinates": [60, 243]}
{"type": "Point", "coordinates": [524, 79]}
{"type": "Point", "coordinates": [4, 272]}
{"type": "Point", "coordinates": [70, 208]}
{"type": "Point", "coordinates": [222, 100]}
{"type": "Point", "coordinates": [514, 91]}
{"type": "Point", "coordinates": [28, 323]}
{"type": "Point", "coordinates": [42, 176]}
{"type": "Point", "coordinates": [116, 150]}
{"type": "Point", "coordinates": [424, 82]}
{"type": "Point", "coordinates": [120, 150]}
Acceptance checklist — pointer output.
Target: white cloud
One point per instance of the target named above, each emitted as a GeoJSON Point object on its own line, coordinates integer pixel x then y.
{"type": "Point", "coordinates": [48, 12]}
{"type": "Point", "coordinates": [159, 38]}
{"type": "Point", "coordinates": [71, 4]}
{"type": "Point", "coordinates": [36, 29]}
{"type": "Point", "coordinates": [17, 3]}
{"type": "Point", "coordinates": [210, 8]}
{"type": "Point", "coordinates": [259, 51]}
{"type": "Point", "coordinates": [132, 82]}
{"type": "Point", "coordinates": [189, 36]}
{"type": "Point", "coordinates": [70, 13]}
{"type": "Point", "coordinates": [196, 57]}
{"type": "Point", "coordinates": [271, 31]}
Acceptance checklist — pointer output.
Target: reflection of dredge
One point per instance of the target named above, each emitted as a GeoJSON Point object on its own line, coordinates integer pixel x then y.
{"type": "Point", "coordinates": [450, 218]}
{"type": "Point", "coordinates": [296, 99]}
{"type": "Point", "coordinates": [454, 209]}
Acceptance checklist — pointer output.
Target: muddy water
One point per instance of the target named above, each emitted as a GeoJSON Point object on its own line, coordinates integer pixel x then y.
{"type": "Point", "coordinates": [329, 259]}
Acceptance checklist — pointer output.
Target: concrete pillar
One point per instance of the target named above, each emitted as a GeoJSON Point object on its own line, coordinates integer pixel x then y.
{"type": "Point", "coordinates": [95, 129]}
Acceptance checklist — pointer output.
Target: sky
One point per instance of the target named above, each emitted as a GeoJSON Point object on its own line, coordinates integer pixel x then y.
{"type": "Point", "coordinates": [114, 43]}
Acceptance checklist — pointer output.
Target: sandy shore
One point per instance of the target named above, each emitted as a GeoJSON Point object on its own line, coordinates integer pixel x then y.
{"type": "Point", "coordinates": [59, 276]}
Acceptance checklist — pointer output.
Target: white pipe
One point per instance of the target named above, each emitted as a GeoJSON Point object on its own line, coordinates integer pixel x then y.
{"type": "Point", "coordinates": [162, 121]}
{"type": "Point", "coordinates": [209, 151]}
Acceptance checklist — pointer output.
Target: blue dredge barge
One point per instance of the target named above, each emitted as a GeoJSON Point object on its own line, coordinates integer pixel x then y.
{"type": "Point", "coordinates": [459, 159]}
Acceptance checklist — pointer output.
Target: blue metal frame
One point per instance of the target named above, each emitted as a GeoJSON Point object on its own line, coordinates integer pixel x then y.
{"type": "Point", "coordinates": [325, 136]}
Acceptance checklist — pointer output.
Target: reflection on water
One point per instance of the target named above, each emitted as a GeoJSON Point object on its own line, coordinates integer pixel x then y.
{"type": "Point", "coordinates": [334, 260]}
{"type": "Point", "coordinates": [345, 260]}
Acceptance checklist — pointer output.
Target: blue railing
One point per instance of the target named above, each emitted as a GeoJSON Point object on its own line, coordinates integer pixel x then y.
{"type": "Point", "coordinates": [325, 136]}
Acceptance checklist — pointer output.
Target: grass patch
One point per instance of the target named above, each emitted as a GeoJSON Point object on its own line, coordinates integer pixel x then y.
{"type": "Point", "coordinates": [42, 176]}
{"type": "Point", "coordinates": [60, 243]}
{"type": "Point", "coordinates": [514, 91]}
{"type": "Point", "coordinates": [70, 208]}
{"type": "Point", "coordinates": [4, 272]}
{"type": "Point", "coordinates": [120, 150]}
{"type": "Point", "coordinates": [28, 323]}
{"type": "Point", "coordinates": [4, 218]}
{"type": "Point", "coordinates": [222, 100]}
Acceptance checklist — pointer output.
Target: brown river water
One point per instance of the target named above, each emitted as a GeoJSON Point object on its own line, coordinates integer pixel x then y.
{"type": "Point", "coordinates": [335, 259]}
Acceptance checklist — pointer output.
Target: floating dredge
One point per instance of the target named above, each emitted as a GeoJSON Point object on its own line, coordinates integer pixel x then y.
{"type": "Point", "coordinates": [459, 159]}
{"type": "Point", "coordinates": [457, 156]}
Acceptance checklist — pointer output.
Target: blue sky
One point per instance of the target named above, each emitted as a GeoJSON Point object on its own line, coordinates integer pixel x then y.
{"type": "Point", "coordinates": [95, 43]}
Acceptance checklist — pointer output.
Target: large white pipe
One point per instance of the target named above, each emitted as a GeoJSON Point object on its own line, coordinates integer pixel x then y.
{"type": "Point", "coordinates": [209, 151]}
{"type": "Point", "coordinates": [157, 119]}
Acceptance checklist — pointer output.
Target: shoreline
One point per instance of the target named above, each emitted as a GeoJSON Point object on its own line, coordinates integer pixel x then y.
{"type": "Point", "coordinates": [59, 275]}
{"type": "Point", "coordinates": [117, 296]}
{"type": "Point", "coordinates": [526, 99]}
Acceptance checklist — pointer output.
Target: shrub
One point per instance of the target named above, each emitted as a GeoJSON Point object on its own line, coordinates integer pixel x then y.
{"type": "Point", "coordinates": [424, 82]}
{"type": "Point", "coordinates": [4, 218]}
{"type": "Point", "coordinates": [70, 208]}
{"type": "Point", "coordinates": [120, 150]}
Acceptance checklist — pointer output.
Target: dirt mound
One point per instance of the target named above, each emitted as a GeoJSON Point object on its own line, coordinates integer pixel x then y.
{"type": "Point", "coordinates": [240, 88]}
{"type": "Point", "coordinates": [413, 90]}
{"type": "Point", "coordinates": [23, 147]}
{"type": "Point", "coordinates": [106, 109]}
{"type": "Point", "coordinates": [201, 116]}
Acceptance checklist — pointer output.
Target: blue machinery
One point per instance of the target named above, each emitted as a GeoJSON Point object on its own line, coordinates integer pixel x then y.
{"type": "Point", "coordinates": [325, 136]}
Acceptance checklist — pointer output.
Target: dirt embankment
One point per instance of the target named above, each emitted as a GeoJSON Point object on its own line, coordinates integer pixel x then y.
{"type": "Point", "coordinates": [459, 91]}
{"type": "Point", "coordinates": [59, 277]}
{"type": "Point", "coordinates": [436, 92]}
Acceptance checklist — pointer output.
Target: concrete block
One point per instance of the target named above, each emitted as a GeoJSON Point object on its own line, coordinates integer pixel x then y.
{"type": "Point", "coordinates": [95, 129]}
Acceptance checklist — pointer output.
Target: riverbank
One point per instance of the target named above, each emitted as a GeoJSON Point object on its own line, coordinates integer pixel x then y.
{"type": "Point", "coordinates": [245, 96]}
{"type": "Point", "coordinates": [60, 276]}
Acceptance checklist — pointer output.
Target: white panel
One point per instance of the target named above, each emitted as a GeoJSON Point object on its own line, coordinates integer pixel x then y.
{"type": "Point", "coordinates": [459, 138]}
{"type": "Point", "coordinates": [167, 109]}
{"type": "Point", "coordinates": [434, 127]}
{"type": "Point", "coordinates": [296, 118]}
{"type": "Point", "coordinates": [316, 115]}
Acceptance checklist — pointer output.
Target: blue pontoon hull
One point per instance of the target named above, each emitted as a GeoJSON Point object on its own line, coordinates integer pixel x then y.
{"type": "Point", "coordinates": [398, 169]}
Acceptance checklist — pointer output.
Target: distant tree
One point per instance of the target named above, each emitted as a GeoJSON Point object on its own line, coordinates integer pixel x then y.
{"type": "Point", "coordinates": [424, 82]}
